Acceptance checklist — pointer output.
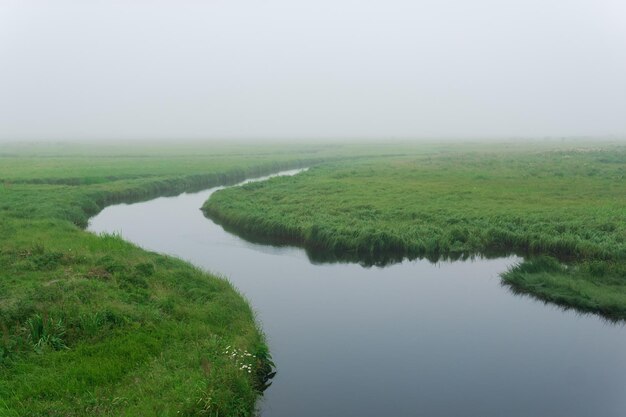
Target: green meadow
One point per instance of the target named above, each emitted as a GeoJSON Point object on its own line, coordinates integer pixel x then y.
{"type": "Point", "coordinates": [562, 206]}
{"type": "Point", "coordinates": [94, 326]}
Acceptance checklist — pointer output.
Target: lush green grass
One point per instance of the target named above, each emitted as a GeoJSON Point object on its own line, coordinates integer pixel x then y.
{"type": "Point", "coordinates": [588, 286]}
{"type": "Point", "coordinates": [567, 201]}
{"type": "Point", "coordinates": [121, 331]}
{"type": "Point", "coordinates": [93, 326]}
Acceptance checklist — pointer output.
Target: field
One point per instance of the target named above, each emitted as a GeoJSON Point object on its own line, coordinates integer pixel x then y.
{"type": "Point", "coordinates": [562, 207]}
{"type": "Point", "coordinates": [93, 326]}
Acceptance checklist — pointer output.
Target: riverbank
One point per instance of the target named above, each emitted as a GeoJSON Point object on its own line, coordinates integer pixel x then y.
{"type": "Point", "coordinates": [455, 328]}
{"type": "Point", "coordinates": [94, 326]}
{"type": "Point", "coordinates": [565, 202]}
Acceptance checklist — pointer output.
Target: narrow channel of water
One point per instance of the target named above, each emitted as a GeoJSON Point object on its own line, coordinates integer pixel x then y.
{"type": "Point", "coordinates": [409, 339]}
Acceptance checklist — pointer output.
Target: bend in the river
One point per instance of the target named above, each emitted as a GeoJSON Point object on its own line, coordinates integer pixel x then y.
{"type": "Point", "coordinates": [412, 338]}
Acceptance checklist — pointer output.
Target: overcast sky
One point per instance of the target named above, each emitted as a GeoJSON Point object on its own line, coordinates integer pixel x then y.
{"type": "Point", "coordinates": [307, 69]}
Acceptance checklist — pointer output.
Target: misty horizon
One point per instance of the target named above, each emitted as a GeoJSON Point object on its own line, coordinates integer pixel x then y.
{"type": "Point", "coordinates": [281, 70]}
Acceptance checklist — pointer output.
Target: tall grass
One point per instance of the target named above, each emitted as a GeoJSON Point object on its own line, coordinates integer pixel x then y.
{"type": "Point", "coordinates": [567, 203]}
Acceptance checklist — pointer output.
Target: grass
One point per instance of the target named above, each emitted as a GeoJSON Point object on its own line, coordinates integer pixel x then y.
{"type": "Point", "coordinates": [94, 326]}
{"type": "Point", "coordinates": [588, 286]}
{"type": "Point", "coordinates": [567, 202]}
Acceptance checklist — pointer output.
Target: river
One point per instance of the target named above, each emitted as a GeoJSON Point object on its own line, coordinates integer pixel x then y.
{"type": "Point", "coordinates": [410, 339]}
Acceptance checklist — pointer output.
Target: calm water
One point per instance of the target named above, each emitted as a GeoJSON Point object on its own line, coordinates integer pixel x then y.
{"type": "Point", "coordinates": [410, 339]}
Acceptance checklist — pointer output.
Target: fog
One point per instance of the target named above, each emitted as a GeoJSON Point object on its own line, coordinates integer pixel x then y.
{"type": "Point", "coordinates": [317, 69]}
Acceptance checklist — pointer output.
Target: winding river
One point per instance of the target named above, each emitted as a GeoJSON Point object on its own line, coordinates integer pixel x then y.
{"type": "Point", "coordinates": [409, 339]}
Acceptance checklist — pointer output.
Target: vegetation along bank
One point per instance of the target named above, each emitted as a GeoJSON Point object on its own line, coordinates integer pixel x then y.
{"type": "Point", "coordinates": [562, 206]}
{"type": "Point", "coordinates": [94, 326]}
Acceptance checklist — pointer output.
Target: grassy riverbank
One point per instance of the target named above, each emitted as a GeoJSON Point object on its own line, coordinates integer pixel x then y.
{"type": "Point", "coordinates": [563, 200]}
{"type": "Point", "coordinates": [93, 326]}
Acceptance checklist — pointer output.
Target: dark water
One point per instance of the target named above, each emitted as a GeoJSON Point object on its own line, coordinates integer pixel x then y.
{"type": "Point", "coordinates": [410, 339]}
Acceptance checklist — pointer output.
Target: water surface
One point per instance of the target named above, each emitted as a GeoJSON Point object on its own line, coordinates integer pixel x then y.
{"type": "Point", "coordinates": [410, 339]}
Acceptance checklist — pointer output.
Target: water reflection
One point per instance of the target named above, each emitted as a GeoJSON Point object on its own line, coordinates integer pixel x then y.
{"type": "Point", "coordinates": [320, 255]}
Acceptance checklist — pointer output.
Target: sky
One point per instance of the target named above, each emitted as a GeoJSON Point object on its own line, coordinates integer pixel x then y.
{"type": "Point", "coordinates": [289, 69]}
